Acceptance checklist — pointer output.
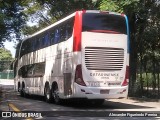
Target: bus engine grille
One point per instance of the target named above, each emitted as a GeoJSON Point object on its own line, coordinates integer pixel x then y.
{"type": "Point", "coordinates": [104, 58]}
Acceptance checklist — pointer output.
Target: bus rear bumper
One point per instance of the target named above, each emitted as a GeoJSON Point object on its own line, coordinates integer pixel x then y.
{"type": "Point", "coordinates": [100, 93]}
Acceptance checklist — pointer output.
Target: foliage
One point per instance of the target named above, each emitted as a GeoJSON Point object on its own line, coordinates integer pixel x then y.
{"type": "Point", "coordinates": [11, 20]}
{"type": "Point", "coordinates": [116, 5]}
{"type": "Point", "coordinates": [5, 59]}
{"type": "Point", "coordinates": [48, 11]}
{"type": "Point", "coordinates": [5, 54]}
{"type": "Point", "coordinates": [144, 16]}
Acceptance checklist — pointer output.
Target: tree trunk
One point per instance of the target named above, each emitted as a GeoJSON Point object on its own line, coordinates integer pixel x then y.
{"type": "Point", "coordinates": [154, 68]}
{"type": "Point", "coordinates": [158, 80]}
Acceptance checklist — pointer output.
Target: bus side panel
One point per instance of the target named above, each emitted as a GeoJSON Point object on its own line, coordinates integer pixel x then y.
{"type": "Point", "coordinates": [65, 67]}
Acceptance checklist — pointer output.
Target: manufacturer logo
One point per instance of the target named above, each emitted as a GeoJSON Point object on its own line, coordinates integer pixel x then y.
{"type": "Point", "coordinates": [6, 114]}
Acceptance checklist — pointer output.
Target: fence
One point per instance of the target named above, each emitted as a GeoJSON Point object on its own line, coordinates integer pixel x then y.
{"type": "Point", "coordinates": [8, 74]}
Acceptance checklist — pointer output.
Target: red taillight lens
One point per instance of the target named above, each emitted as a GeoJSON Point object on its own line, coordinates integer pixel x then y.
{"type": "Point", "coordinates": [126, 80]}
{"type": "Point", "coordinates": [78, 76]}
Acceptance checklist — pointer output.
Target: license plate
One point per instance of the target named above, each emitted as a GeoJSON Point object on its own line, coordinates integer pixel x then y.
{"type": "Point", "coordinates": [104, 91]}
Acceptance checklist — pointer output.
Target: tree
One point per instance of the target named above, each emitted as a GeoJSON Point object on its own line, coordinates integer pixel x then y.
{"type": "Point", "coordinates": [49, 11]}
{"type": "Point", "coordinates": [12, 20]}
{"type": "Point", "coordinates": [144, 25]}
{"type": "Point", "coordinates": [5, 59]}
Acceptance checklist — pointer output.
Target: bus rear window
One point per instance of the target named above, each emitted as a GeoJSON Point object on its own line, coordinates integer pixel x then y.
{"type": "Point", "coordinates": [104, 22]}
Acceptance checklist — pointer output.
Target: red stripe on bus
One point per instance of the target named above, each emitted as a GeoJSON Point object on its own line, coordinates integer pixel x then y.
{"type": "Point", "coordinates": [77, 31]}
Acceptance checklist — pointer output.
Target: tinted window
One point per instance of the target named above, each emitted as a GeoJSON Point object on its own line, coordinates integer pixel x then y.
{"type": "Point", "coordinates": [29, 70]}
{"type": "Point", "coordinates": [56, 36]}
{"type": "Point", "coordinates": [38, 43]}
{"type": "Point", "coordinates": [33, 44]}
{"type": "Point", "coordinates": [17, 49]}
{"type": "Point", "coordinates": [32, 70]}
{"type": "Point", "coordinates": [39, 69]}
{"type": "Point", "coordinates": [62, 33]}
{"type": "Point", "coordinates": [96, 21]}
{"type": "Point", "coordinates": [58, 33]}
{"type": "Point", "coordinates": [52, 34]}
{"type": "Point", "coordinates": [47, 40]}
{"type": "Point", "coordinates": [42, 41]}
{"type": "Point", "coordinates": [24, 48]}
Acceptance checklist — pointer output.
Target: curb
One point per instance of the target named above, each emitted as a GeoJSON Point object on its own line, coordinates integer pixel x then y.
{"type": "Point", "coordinates": [144, 99]}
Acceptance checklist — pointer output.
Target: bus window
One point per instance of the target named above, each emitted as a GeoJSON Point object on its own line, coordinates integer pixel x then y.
{"type": "Point", "coordinates": [104, 23]}
{"type": "Point", "coordinates": [37, 43]}
{"type": "Point", "coordinates": [39, 69]}
{"type": "Point", "coordinates": [70, 27]}
{"type": "Point", "coordinates": [17, 49]}
{"type": "Point", "coordinates": [43, 42]}
{"type": "Point", "coordinates": [62, 32]}
{"type": "Point", "coordinates": [30, 69]}
{"type": "Point", "coordinates": [56, 36]}
{"type": "Point", "coordinates": [52, 34]}
{"type": "Point", "coordinates": [23, 72]}
{"type": "Point", "coordinates": [29, 44]}
{"type": "Point", "coordinates": [33, 44]}
{"type": "Point", "coordinates": [46, 39]}
{"type": "Point", "coordinates": [23, 49]}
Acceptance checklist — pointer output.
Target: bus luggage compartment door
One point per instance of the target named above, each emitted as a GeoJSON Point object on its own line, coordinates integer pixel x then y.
{"type": "Point", "coordinates": [67, 72]}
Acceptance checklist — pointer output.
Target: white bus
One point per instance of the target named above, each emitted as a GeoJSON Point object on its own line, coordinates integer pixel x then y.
{"type": "Point", "coordinates": [84, 55]}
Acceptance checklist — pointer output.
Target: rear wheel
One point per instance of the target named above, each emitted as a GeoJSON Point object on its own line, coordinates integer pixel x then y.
{"type": "Point", "coordinates": [56, 98]}
{"type": "Point", "coordinates": [22, 90]}
{"type": "Point", "coordinates": [47, 94]}
{"type": "Point", "coordinates": [18, 86]}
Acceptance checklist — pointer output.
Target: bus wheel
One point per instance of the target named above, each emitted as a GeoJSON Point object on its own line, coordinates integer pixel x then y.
{"type": "Point", "coordinates": [22, 91]}
{"type": "Point", "coordinates": [47, 94]}
{"type": "Point", "coordinates": [56, 98]}
{"type": "Point", "coordinates": [18, 86]}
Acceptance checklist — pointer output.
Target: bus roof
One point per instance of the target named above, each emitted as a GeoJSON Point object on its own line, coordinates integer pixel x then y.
{"type": "Point", "coordinates": [71, 15]}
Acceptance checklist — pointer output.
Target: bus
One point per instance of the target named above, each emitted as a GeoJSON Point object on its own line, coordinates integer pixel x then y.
{"type": "Point", "coordinates": [84, 55]}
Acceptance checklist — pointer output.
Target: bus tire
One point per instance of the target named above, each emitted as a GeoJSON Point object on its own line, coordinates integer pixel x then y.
{"type": "Point", "coordinates": [55, 93]}
{"type": "Point", "coordinates": [18, 86]}
{"type": "Point", "coordinates": [47, 94]}
{"type": "Point", "coordinates": [22, 91]}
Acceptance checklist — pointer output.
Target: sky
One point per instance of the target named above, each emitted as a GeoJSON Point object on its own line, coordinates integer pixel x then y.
{"type": "Point", "coordinates": [9, 46]}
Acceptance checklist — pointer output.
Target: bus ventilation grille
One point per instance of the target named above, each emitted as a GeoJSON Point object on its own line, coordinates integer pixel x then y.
{"type": "Point", "coordinates": [104, 58]}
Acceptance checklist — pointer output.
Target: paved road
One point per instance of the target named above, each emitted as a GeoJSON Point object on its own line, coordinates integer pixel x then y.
{"type": "Point", "coordinates": [77, 110]}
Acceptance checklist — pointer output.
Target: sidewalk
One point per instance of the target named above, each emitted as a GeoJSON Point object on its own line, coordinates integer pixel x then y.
{"type": "Point", "coordinates": [153, 104]}
{"type": "Point", "coordinates": [6, 82]}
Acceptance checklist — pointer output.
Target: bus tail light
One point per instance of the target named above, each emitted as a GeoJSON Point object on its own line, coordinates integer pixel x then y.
{"type": "Point", "coordinates": [78, 76]}
{"type": "Point", "coordinates": [126, 80]}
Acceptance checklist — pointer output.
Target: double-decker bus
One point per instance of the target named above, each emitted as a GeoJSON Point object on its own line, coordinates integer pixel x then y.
{"type": "Point", "coordinates": [84, 55]}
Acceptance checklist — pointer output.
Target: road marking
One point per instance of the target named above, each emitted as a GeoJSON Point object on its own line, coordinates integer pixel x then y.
{"type": "Point", "coordinates": [17, 110]}
{"type": "Point", "coordinates": [14, 107]}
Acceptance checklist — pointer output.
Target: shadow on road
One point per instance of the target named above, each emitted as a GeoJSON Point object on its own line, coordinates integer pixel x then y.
{"type": "Point", "coordinates": [85, 104]}
{"type": "Point", "coordinates": [34, 100]}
